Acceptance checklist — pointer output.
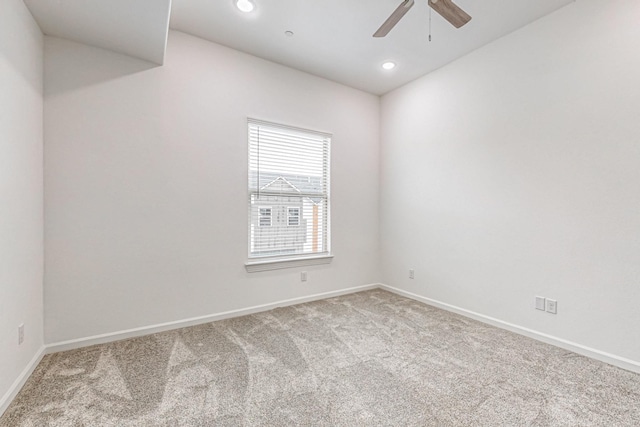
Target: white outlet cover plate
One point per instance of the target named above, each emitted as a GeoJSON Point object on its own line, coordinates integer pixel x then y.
{"type": "Point", "coordinates": [540, 303]}
{"type": "Point", "coordinates": [552, 306]}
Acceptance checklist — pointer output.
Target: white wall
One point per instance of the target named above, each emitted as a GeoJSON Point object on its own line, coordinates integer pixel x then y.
{"type": "Point", "coordinates": [21, 259]}
{"type": "Point", "coordinates": [515, 172]}
{"type": "Point", "coordinates": [146, 172]}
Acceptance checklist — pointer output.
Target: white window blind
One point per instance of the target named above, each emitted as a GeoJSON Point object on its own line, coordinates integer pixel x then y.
{"type": "Point", "coordinates": [288, 192]}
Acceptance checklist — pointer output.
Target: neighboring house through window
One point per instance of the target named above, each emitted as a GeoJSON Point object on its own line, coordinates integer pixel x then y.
{"type": "Point", "coordinates": [288, 192]}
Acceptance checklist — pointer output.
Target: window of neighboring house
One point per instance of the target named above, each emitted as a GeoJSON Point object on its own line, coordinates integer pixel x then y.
{"type": "Point", "coordinates": [265, 217]}
{"type": "Point", "coordinates": [293, 217]}
{"type": "Point", "coordinates": [288, 193]}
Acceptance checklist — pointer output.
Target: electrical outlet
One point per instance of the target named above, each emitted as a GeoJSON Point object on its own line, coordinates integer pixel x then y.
{"type": "Point", "coordinates": [303, 276]}
{"type": "Point", "coordinates": [540, 303]}
{"type": "Point", "coordinates": [552, 306]}
{"type": "Point", "coordinates": [20, 333]}
{"type": "Point", "coordinates": [411, 273]}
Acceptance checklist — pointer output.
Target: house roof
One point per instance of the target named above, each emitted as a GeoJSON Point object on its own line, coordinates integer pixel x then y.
{"type": "Point", "coordinates": [298, 183]}
{"type": "Point", "coordinates": [301, 183]}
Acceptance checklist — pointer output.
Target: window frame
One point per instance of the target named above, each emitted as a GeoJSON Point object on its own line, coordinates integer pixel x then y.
{"type": "Point", "coordinates": [290, 217]}
{"type": "Point", "coordinates": [279, 261]}
{"type": "Point", "coordinates": [261, 216]}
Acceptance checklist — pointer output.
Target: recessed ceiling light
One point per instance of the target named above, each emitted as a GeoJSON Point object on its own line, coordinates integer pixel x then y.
{"type": "Point", "coordinates": [389, 65]}
{"type": "Point", "coordinates": [245, 5]}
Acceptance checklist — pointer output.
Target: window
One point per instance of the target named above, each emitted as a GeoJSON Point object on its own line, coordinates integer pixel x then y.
{"type": "Point", "coordinates": [265, 217]}
{"type": "Point", "coordinates": [293, 217]}
{"type": "Point", "coordinates": [288, 193]}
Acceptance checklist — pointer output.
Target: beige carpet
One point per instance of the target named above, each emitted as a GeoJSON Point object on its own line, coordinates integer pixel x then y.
{"type": "Point", "coordinates": [366, 359]}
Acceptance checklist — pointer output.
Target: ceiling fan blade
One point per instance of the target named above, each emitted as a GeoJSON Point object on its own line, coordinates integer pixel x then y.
{"type": "Point", "coordinates": [451, 12]}
{"type": "Point", "coordinates": [395, 17]}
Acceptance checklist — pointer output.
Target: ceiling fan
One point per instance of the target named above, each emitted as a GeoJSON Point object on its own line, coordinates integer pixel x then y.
{"type": "Point", "coordinates": [446, 8]}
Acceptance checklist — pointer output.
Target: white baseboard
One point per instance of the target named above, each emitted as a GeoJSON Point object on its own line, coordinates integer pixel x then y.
{"type": "Point", "coordinates": [152, 329]}
{"type": "Point", "coordinates": [19, 382]}
{"type": "Point", "coordinates": [612, 359]}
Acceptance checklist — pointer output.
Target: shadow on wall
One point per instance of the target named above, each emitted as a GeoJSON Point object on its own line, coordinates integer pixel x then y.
{"type": "Point", "coordinates": [84, 66]}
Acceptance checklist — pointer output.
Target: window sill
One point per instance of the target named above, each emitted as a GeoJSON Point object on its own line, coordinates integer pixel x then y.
{"type": "Point", "coordinates": [278, 264]}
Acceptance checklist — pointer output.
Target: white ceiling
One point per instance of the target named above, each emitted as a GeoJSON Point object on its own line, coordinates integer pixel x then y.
{"type": "Point", "coordinates": [332, 38]}
{"type": "Point", "coordinates": [133, 27]}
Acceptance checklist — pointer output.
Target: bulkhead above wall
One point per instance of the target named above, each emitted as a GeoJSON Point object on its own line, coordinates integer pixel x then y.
{"type": "Point", "coordinates": [135, 28]}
